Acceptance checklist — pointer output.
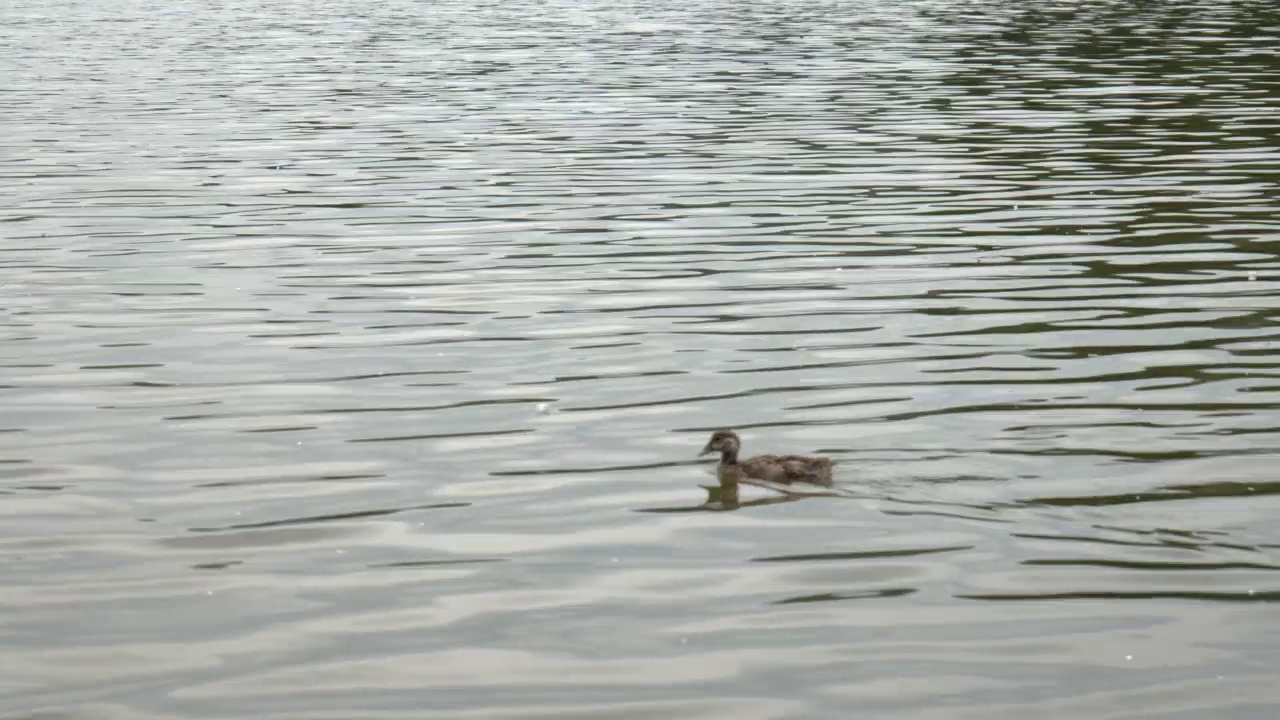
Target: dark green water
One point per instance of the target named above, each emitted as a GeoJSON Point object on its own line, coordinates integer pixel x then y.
{"type": "Point", "coordinates": [354, 358]}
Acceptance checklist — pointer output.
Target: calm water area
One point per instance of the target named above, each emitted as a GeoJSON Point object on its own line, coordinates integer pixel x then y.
{"type": "Point", "coordinates": [355, 358]}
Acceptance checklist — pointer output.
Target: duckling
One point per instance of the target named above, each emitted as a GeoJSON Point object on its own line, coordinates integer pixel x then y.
{"type": "Point", "coordinates": [774, 468]}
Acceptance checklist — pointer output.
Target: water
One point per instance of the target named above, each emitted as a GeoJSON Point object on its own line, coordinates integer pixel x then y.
{"type": "Point", "coordinates": [355, 358]}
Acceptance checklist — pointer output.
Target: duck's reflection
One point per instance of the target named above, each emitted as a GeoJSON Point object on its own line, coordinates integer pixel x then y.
{"type": "Point", "coordinates": [726, 494]}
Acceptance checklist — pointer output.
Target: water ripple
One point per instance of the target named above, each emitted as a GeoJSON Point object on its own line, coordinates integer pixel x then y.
{"type": "Point", "coordinates": [354, 362]}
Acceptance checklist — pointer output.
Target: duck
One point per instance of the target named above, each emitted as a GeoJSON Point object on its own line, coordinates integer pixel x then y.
{"type": "Point", "coordinates": [773, 468]}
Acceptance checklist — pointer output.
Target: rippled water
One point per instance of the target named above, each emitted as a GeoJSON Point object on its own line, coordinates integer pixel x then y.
{"type": "Point", "coordinates": [355, 358]}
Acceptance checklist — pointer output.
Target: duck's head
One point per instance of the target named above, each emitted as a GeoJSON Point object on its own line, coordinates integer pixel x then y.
{"type": "Point", "coordinates": [723, 441]}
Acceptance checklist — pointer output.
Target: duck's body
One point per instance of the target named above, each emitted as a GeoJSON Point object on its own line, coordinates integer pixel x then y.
{"type": "Point", "coordinates": [773, 468]}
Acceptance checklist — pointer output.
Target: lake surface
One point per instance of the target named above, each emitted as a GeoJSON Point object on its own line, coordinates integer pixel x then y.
{"type": "Point", "coordinates": [355, 358]}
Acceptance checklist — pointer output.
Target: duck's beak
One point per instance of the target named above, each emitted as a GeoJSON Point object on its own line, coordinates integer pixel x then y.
{"type": "Point", "coordinates": [707, 449]}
